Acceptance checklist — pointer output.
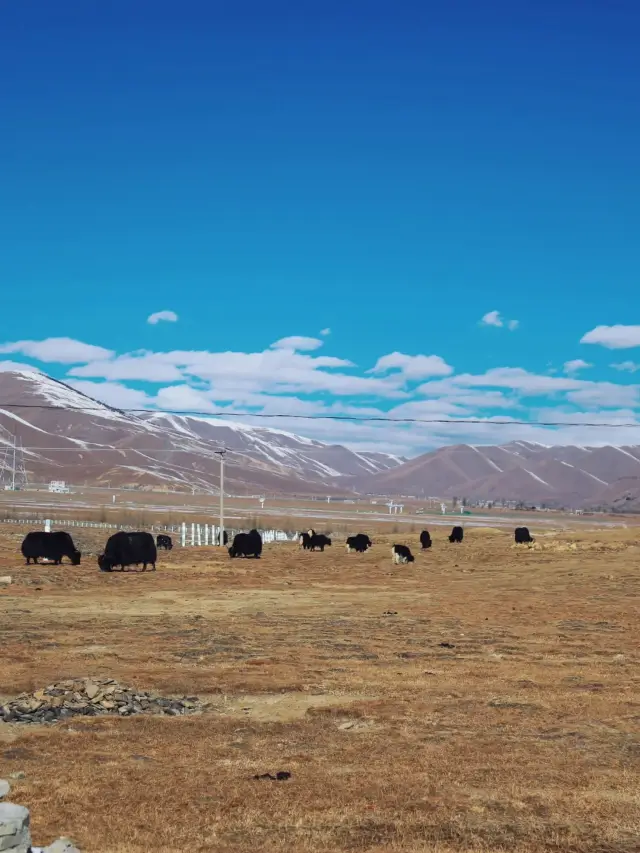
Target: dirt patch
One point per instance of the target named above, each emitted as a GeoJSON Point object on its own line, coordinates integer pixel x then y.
{"type": "Point", "coordinates": [487, 531]}
{"type": "Point", "coordinates": [282, 707]}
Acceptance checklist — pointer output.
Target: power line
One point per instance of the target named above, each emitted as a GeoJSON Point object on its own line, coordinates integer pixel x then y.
{"type": "Point", "coordinates": [326, 417]}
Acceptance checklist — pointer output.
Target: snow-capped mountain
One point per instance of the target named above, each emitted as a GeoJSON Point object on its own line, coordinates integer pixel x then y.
{"type": "Point", "coordinates": [537, 473]}
{"type": "Point", "coordinates": [67, 435]}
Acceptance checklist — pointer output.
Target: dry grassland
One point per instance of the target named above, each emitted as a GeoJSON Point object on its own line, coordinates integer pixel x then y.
{"type": "Point", "coordinates": [523, 736]}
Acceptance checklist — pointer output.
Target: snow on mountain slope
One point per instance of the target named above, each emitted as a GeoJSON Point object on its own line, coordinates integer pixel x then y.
{"type": "Point", "coordinates": [82, 440]}
{"type": "Point", "coordinates": [557, 475]}
{"type": "Point", "coordinates": [68, 435]}
{"type": "Point", "coordinates": [279, 448]}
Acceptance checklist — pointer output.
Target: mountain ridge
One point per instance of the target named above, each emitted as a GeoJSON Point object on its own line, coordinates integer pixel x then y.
{"type": "Point", "coordinates": [72, 436]}
{"type": "Point", "coordinates": [556, 475]}
{"type": "Point", "coordinates": [53, 420]}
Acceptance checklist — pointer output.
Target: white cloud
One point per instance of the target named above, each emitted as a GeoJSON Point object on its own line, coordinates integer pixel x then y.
{"type": "Point", "coordinates": [412, 366]}
{"type": "Point", "coordinates": [325, 331]}
{"type": "Point", "coordinates": [298, 342]}
{"type": "Point", "coordinates": [58, 350]}
{"type": "Point", "coordinates": [276, 370]}
{"type": "Point", "coordinates": [575, 365]}
{"type": "Point", "coordinates": [10, 366]}
{"type": "Point", "coordinates": [402, 439]}
{"type": "Point", "coordinates": [613, 337]}
{"type": "Point", "coordinates": [524, 384]}
{"type": "Point", "coordinates": [628, 366]}
{"type": "Point", "coordinates": [184, 398]}
{"type": "Point", "coordinates": [144, 367]}
{"type": "Point", "coordinates": [605, 395]}
{"type": "Point", "coordinates": [113, 394]}
{"type": "Point", "coordinates": [494, 318]}
{"type": "Point", "coordinates": [515, 378]}
{"type": "Point", "coordinates": [284, 380]}
{"type": "Point", "coordinates": [160, 316]}
{"type": "Point", "coordinates": [472, 400]}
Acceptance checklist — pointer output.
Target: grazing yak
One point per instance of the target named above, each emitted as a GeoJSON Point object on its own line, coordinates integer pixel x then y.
{"type": "Point", "coordinates": [457, 535]}
{"type": "Point", "coordinates": [305, 541]}
{"type": "Point", "coordinates": [246, 545]}
{"type": "Point", "coordinates": [312, 540]}
{"type": "Point", "coordinates": [164, 541]}
{"type": "Point", "coordinates": [359, 543]}
{"type": "Point", "coordinates": [51, 546]}
{"type": "Point", "coordinates": [425, 540]}
{"type": "Point", "coordinates": [522, 536]}
{"type": "Point", "coordinates": [401, 554]}
{"type": "Point", "coordinates": [128, 549]}
{"type": "Point", "coordinates": [319, 540]}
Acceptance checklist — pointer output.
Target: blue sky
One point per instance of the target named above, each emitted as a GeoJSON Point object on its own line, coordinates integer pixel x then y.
{"type": "Point", "coordinates": [393, 172]}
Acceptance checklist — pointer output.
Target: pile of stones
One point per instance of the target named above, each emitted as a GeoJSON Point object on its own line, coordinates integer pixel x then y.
{"type": "Point", "coordinates": [90, 697]}
{"type": "Point", "coordinates": [15, 832]}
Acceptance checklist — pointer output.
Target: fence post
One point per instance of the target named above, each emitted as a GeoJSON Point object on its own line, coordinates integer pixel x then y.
{"type": "Point", "coordinates": [198, 535]}
{"type": "Point", "coordinates": [193, 533]}
{"type": "Point", "coordinates": [206, 534]}
{"type": "Point", "coordinates": [183, 534]}
{"type": "Point", "coordinates": [47, 526]}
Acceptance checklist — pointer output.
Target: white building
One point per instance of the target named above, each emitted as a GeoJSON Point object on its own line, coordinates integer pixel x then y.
{"type": "Point", "coordinates": [59, 486]}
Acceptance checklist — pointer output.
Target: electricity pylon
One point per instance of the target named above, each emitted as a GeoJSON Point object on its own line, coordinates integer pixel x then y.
{"type": "Point", "coordinates": [13, 473]}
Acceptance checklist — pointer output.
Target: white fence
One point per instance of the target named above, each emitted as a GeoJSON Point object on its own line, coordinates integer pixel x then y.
{"type": "Point", "coordinates": [188, 534]}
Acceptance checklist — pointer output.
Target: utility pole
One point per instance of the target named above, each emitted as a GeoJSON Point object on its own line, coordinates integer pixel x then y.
{"type": "Point", "coordinates": [222, 452]}
{"type": "Point", "coordinates": [13, 467]}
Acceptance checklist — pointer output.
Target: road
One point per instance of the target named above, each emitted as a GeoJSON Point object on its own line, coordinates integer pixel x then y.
{"type": "Point", "coordinates": [42, 502]}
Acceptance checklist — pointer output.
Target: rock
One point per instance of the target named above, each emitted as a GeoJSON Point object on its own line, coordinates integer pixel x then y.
{"type": "Point", "coordinates": [14, 828]}
{"type": "Point", "coordinates": [92, 697]}
{"type": "Point", "coordinates": [62, 845]}
{"type": "Point", "coordinates": [5, 787]}
{"type": "Point", "coordinates": [348, 725]}
{"type": "Point", "coordinates": [5, 580]}
{"type": "Point", "coordinates": [19, 774]}
{"type": "Point", "coordinates": [11, 814]}
{"type": "Point", "coordinates": [91, 690]}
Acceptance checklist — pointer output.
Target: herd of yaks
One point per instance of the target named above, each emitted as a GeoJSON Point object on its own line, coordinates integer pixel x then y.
{"type": "Point", "coordinates": [126, 549]}
{"type": "Point", "coordinates": [399, 553]}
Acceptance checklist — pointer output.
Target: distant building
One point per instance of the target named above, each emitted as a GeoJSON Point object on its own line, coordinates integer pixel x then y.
{"type": "Point", "coordinates": [59, 486]}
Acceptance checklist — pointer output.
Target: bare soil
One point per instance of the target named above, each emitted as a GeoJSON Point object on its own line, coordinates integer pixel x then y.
{"type": "Point", "coordinates": [484, 698]}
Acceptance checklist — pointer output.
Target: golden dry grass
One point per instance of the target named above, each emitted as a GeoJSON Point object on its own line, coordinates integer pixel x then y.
{"type": "Point", "coordinates": [525, 736]}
